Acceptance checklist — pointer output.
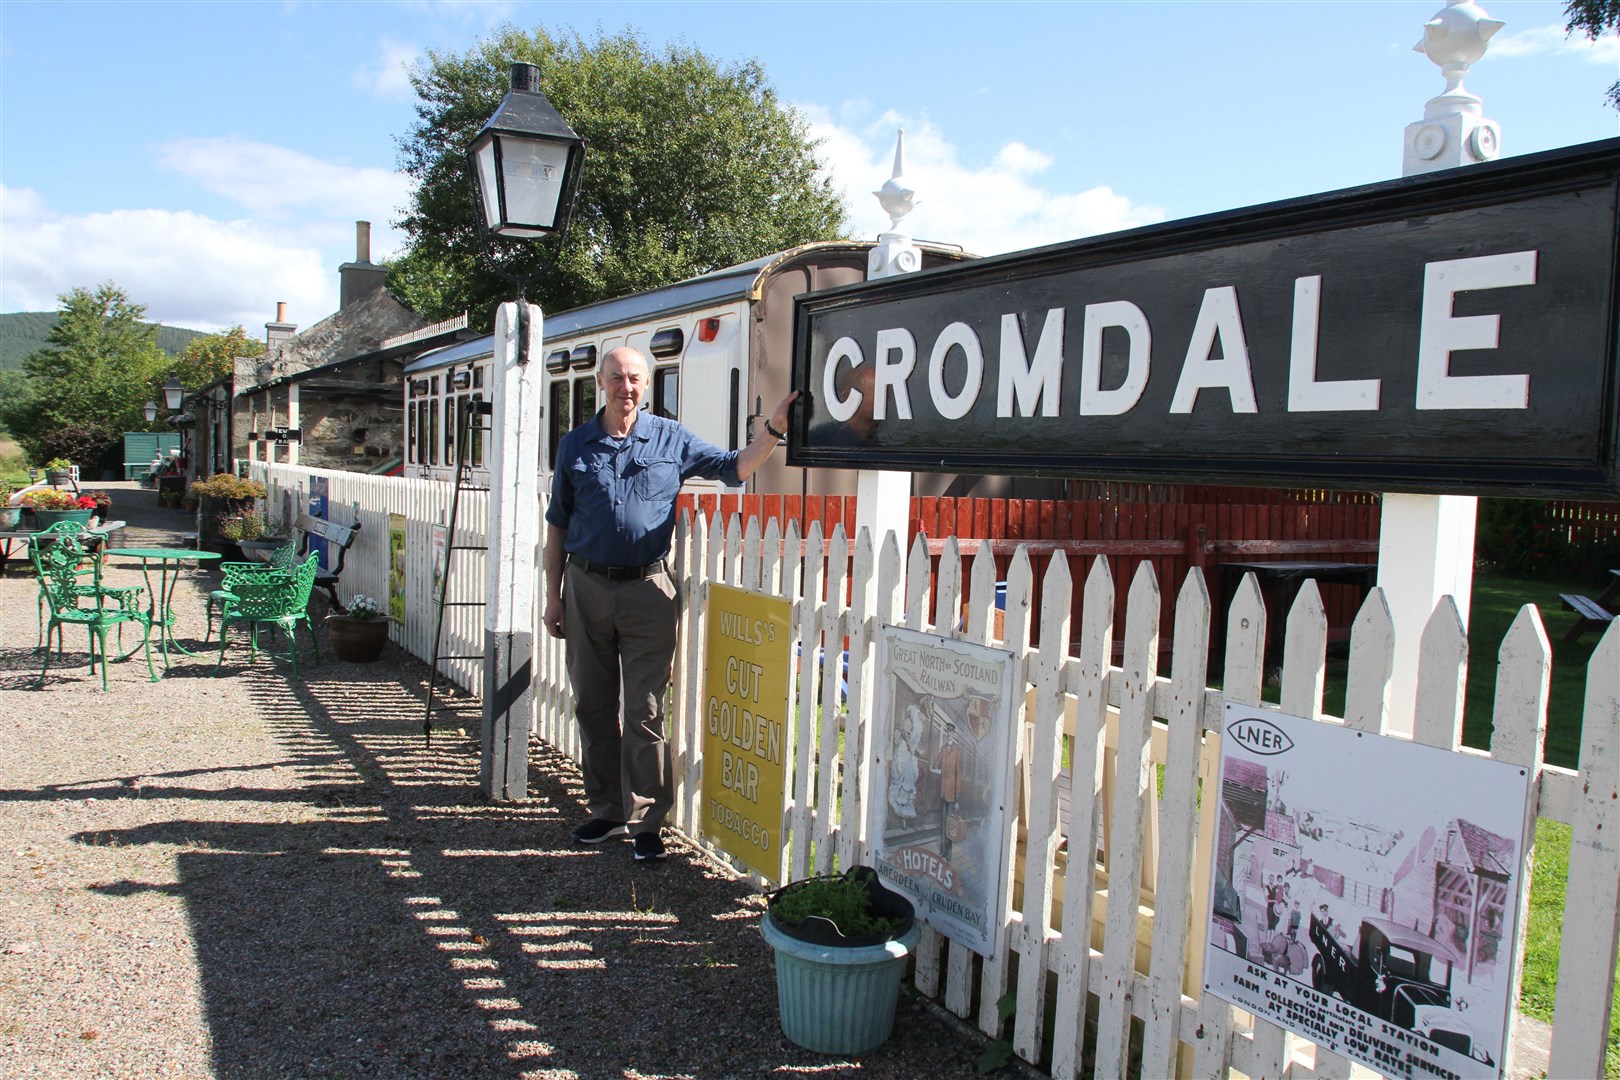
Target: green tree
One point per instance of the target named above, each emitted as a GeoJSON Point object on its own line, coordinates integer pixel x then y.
{"type": "Point", "coordinates": [212, 357]}
{"type": "Point", "coordinates": [94, 376]}
{"type": "Point", "coordinates": [690, 166]}
{"type": "Point", "coordinates": [1594, 18]}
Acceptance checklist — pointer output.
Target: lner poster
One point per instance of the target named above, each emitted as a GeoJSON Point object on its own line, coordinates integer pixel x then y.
{"type": "Point", "coordinates": [1365, 892]}
{"type": "Point", "coordinates": [942, 733]}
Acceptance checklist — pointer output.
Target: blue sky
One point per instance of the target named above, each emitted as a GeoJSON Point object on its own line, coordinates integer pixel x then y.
{"type": "Point", "coordinates": [223, 151]}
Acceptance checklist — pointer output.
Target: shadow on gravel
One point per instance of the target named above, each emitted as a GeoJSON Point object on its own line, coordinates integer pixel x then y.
{"type": "Point", "coordinates": [415, 930]}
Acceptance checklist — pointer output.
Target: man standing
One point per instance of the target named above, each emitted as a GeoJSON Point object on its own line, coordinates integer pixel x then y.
{"type": "Point", "coordinates": [610, 596]}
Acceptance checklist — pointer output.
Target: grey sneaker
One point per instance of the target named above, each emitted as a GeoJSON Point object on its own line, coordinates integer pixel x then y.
{"type": "Point", "coordinates": [597, 830]}
{"type": "Point", "coordinates": [649, 846]}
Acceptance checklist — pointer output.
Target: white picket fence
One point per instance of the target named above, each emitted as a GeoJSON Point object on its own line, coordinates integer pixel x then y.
{"type": "Point", "coordinates": [1129, 731]}
{"type": "Point", "coordinates": [374, 501]}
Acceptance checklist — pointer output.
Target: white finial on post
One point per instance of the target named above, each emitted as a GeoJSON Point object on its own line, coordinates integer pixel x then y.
{"type": "Point", "coordinates": [895, 253]}
{"type": "Point", "coordinates": [1453, 131]}
{"type": "Point", "coordinates": [894, 196]}
{"type": "Point", "coordinates": [1426, 542]}
{"type": "Point", "coordinates": [883, 499]}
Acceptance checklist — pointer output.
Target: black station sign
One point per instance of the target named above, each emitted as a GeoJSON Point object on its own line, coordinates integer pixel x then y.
{"type": "Point", "coordinates": [1449, 333]}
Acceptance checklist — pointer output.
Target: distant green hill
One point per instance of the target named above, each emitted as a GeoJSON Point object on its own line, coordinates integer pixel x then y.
{"type": "Point", "coordinates": [23, 333]}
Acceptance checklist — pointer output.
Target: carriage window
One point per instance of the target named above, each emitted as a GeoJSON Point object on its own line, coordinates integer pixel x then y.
{"type": "Point", "coordinates": [478, 377]}
{"type": "Point", "coordinates": [432, 430]}
{"type": "Point", "coordinates": [476, 426]}
{"type": "Point", "coordinates": [450, 401]}
{"type": "Point", "coordinates": [735, 416]}
{"type": "Point", "coordinates": [584, 399]}
{"type": "Point", "coordinates": [411, 449]}
{"type": "Point", "coordinates": [667, 392]}
{"type": "Point", "coordinates": [559, 418]}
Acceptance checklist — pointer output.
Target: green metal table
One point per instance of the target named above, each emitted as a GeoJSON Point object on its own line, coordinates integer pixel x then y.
{"type": "Point", "coordinates": [159, 613]}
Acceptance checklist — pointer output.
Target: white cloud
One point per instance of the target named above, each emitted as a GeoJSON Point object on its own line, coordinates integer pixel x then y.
{"type": "Point", "coordinates": [1555, 39]}
{"type": "Point", "coordinates": [1005, 205]}
{"type": "Point", "coordinates": [267, 179]}
{"type": "Point", "coordinates": [387, 76]}
{"type": "Point", "coordinates": [189, 270]}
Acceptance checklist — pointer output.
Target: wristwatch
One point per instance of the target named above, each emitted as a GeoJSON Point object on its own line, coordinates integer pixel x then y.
{"type": "Point", "coordinates": [772, 432]}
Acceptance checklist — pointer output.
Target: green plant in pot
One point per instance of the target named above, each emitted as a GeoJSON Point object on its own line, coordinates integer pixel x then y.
{"type": "Point", "coordinates": [58, 470]}
{"type": "Point", "coordinates": [841, 941]}
{"type": "Point", "coordinates": [51, 505]}
{"type": "Point", "coordinates": [221, 497]}
{"type": "Point", "coordinates": [248, 530]}
{"type": "Point", "coordinates": [10, 515]}
{"type": "Point", "coordinates": [359, 635]}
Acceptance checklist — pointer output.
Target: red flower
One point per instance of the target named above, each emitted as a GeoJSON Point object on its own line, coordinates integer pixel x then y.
{"type": "Point", "coordinates": [85, 502]}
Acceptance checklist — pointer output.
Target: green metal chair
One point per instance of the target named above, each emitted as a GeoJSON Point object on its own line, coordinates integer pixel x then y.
{"type": "Point", "coordinates": [72, 602]}
{"type": "Point", "coordinates": [89, 566]}
{"type": "Point", "coordinates": [281, 559]}
{"type": "Point", "coordinates": [271, 598]}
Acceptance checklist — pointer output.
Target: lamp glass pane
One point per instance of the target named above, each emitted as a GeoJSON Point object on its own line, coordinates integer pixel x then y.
{"type": "Point", "coordinates": [484, 162]}
{"type": "Point", "coordinates": [534, 172]}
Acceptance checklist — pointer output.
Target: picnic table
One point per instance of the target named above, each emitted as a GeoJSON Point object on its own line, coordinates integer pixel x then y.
{"type": "Point", "coordinates": [1595, 614]}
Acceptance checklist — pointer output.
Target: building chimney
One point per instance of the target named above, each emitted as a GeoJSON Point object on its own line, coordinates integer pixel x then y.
{"type": "Point", "coordinates": [359, 279]}
{"type": "Point", "coordinates": [280, 330]}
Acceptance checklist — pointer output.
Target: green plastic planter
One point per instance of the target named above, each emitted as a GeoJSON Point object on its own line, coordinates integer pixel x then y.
{"type": "Point", "coordinates": [837, 995]}
{"type": "Point", "coordinates": [47, 518]}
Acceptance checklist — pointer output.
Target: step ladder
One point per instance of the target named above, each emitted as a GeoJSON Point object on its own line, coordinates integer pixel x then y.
{"type": "Point", "coordinates": [470, 419]}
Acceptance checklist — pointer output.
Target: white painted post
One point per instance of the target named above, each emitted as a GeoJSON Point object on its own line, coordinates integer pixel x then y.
{"type": "Point", "coordinates": [513, 553]}
{"type": "Point", "coordinates": [882, 498]}
{"type": "Point", "coordinates": [292, 422]}
{"type": "Point", "coordinates": [1426, 542]}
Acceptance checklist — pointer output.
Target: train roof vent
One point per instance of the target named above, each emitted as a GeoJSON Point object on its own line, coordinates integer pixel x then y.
{"type": "Point", "coordinates": [557, 362]}
{"type": "Point", "coordinates": [667, 342]}
{"type": "Point", "coordinates": [583, 357]}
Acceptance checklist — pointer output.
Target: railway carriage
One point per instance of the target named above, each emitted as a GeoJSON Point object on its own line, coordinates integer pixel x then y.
{"type": "Point", "coordinates": [720, 346]}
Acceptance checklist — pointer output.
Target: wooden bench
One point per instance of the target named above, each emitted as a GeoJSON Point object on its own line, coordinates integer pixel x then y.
{"type": "Point", "coordinates": [1592, 615]}
{"type": "Point", "coordinates": [339, 538]}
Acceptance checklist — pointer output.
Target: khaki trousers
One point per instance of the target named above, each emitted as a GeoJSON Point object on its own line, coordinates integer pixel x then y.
{"type": "Point", "coordinates": [621, 645]}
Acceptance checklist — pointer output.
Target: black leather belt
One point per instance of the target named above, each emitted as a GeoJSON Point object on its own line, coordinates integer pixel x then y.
{"type": "Point", "coordinates": [616, 573]}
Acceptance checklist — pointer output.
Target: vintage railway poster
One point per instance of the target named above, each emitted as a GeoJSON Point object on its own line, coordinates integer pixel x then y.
{"type": "Point", "coordinates": [1365, 891]}
{"type": "Point", "coordinates": [942, 732]}
{"type": "Point", "coordinates": [748, 668]}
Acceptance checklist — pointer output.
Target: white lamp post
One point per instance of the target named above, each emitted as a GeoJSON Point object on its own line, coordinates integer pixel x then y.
{"type": "Point", "coordinates": [526, 164]}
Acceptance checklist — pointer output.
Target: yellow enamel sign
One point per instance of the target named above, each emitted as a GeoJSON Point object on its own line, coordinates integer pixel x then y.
{"type": "Point", "coordinates": [745, 733]}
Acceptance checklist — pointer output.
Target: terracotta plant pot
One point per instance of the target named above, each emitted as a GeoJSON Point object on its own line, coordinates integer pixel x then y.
{"type": "Point", "coordinates": [359, 641]}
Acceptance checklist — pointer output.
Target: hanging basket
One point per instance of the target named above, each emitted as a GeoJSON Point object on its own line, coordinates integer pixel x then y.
{"type": "Point", "coordinates": [837, 994]}
{"type": "Point", "coordinates": [359, 641]}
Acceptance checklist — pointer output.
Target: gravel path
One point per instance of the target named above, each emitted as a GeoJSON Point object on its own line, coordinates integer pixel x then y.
{"type": "Point", "coordinates": [250, 877]}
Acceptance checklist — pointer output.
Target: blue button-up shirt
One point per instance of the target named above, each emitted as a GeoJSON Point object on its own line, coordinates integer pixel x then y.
{"type": "Point", "coordinates": [616, 497]}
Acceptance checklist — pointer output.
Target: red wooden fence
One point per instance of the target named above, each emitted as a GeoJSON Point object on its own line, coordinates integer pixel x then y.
{"type": "Point", "coordinates": [1173, 536]}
